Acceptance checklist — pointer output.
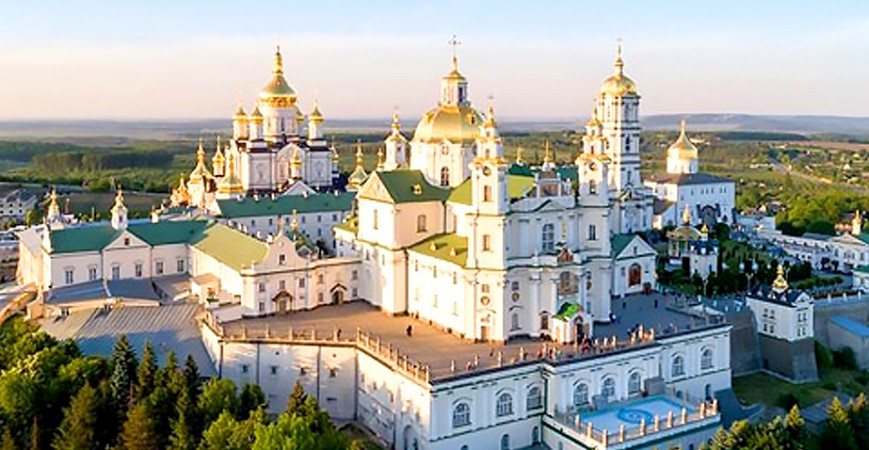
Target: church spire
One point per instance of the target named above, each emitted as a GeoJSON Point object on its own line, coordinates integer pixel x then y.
{"type": "Point", "coordinates": [279, 62]}
{"type": "Point", "coordinates": [619, 63]}
{"type": "Point", "coordinates": [119, 211]}
{"type": "Point", "coordinates": [355, 180]}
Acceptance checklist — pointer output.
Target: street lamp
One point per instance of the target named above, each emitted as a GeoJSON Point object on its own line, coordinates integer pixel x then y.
{"type": "Point", "coordinates": [748, 274]}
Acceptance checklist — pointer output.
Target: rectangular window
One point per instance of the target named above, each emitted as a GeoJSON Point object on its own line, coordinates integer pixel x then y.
{"type": "Point", "coordinates": [282, 284]}
{"type": "Point", "coordinates": [116, 272]}
{"type": "Point", "coordinates": [138, 270]}
{"type": "Point", "coordinates": [487, 244]}
{"type": "Point", "coordinates": [487, 193]}
{"type": "Point", "coordinates": [245, 368]}
{"type": "Point", "coordinates": [320, 298]}
{"type": "Point", "coordinates": [355, 293]}
{"type": "Point", "coordinates": [354, 275]}
{"type": "Point", "coordinates": [261, 287]}
{"type": "Point", "coordinates": [282, 259]}
{"type": "Point", "coordinates": [180, 265]}
{"type": "Point", "coordinates": [68, 276]}
{"type": "Point", "coordinates": [375, 223]}
{"type": "Point", "coordinates": [592, 233]}
{"type": "Point", "coordinates": [301, 282]}
{"type": "Point", "coordinates": [273, 370]}
{"type": "Point", "coordinates": [420, 223]}
{"type": "Point", "coordinates": [92, 273]}
{"type": "Point", "coordinates": [484, 288]}
{"type": "Point", "coordinates": [319, 278]}
{"type": "Point", "coordinates": [158, 267]}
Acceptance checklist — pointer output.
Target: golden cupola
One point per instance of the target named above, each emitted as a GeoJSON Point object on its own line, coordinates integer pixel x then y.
{"type": "Point", "coordinates": [358, 176]}
{"type": "Point", "coordinates": [316, 116]}
{"type": "Point", "coordinates": [683, 148]}
{"type": "Point", "coordinates": [454, 119]}
{"type": "Point", "coordinates": [200, 172]}
{"type": "Point", "coordinates": [278, 93]}
{"type": "Point", "coordinates": [619, 85]}
{"type": "Point", "coordinates": [230, 184]}
{"type": "Point", "coordinates": [218, 161]}
{"type": "Point", "coordinates": [396, 135]}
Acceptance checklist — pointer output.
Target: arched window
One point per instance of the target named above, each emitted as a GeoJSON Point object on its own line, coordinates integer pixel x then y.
{"type": "Point", "coordinates": [706, 358]}
{"type": "Point", "coordinates": [535, 435]}
{"type": "Point", "coordinates": [505, 442]}
{"type": "Point", "coordinates": [445, 176]}
{"type": "Point", "coordinates": [421, 223]}
{"type": "Point", "coordinates": [609, 387]}
{"type": "Point", "coordinates": [487, 193]}
{"type": "Point", "coordinates": [464, 447]}
{"type": "Point", "coordinates": [514, 322]}
{"type": "Point", "coordinates": [592, 187]}
{"type": "Point", "coordinates": [375, 224]}
{"type": "Point", "coordinates": [548, 238]}
{"type": "Point", "coordinates": [635, 274]}
{"type": "Point", "coordinates": [678, 366]}
{"type": "Point", "coordinates": [634, 383]}
{"type": "Point", "coordinates": [461, 415]}
{"type": "Point", "coordinates": [544, 321]}
{"type": "Point", "coordinates": [534, 400]}
{"type": "Point", "coordinates": [504, 405]}
{"type": "Point", "coordinates": [580, 395]}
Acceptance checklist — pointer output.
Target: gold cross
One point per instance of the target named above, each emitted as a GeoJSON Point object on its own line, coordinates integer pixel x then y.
{"type": "Point", "coordinates": [454, 42]}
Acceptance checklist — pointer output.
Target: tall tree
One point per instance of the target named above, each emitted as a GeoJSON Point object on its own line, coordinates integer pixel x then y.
{"type": "Point", "coordinates": [139, 432]}
{"type": "Point", "coordinates": [297, 398]}
{"type": "Point", "coordinates": [218, 395]}
{"type": "Point", "coordinates": [184, 430]}
{"type": "Point", "coordinates": [250, 399]}
{"type": "Point", "coordinates": [123, 375]}
{"type": "Point", "coordinates": [192, 378]}
{"type": "Point", "coordinates": [80, 421]}
{"type": "Point", "coordinates": [837, 432]}
{"type": "Point", "coordinates": [146, 376]}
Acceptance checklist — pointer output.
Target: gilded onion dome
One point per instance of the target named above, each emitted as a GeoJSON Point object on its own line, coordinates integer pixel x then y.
{"type": "Point", "coordinates": [316, 115]}
{"type": "Point", "coordinates": [780, 284]}
{"type": "Point", "coordinates": [296, 160]}
{"type": "Point", "coordinates": [619, 84]}
{"type": "Point", "coordinates": [200, 172]}
{"type": "Point", "coordinates": [453, 119]}
{"type": "Point", "coordinates": [278, 92]}
{"type": "Point", "coordinates": [451, 123]}
{"type": "Point", "coordinates": [358, 176]}
{"type": "Point", "coordinates": [218, 161]}
{"type": "Point", "coordinates": [230, 183]}
{"type": "Point", "coordinates": [240, 114]}
{"type": "Point", "coordinates": [396, 130]}
{"type": "Point", "coordinates": [256, 116]}
{"type": "Point", "coordinates": [490, 118]}
{"type": "Point", "coordinates": [300, 117]}
{"type": "Point", "coordinates": [683, 148]}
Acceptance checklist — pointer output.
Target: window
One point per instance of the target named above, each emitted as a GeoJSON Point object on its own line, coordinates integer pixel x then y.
{"type": "Point", "coordinates": [445, 176]}
{"type": "Point", "coordinates": [592, 233]}
{"type": "Point", "coordinates": [634, 383]}
{"type": "Point", "coordinates": [678, 368]}
{"type": "Point", "coordinates": [420, 223]}
{"type": "Point", "coordinates": [262, 307]}
{"type": "Point", "coordinates": [333, 373]}
{"type": "Point", "coordinates": [261, 287]}
{"type": "Point", "coordinates": [514, 322]}
{"type": "Point", "coordinates": [273, 370]}
{"type": "Point", "coordinates": [320, 298]}
{"type": "Point", "coordinates": [301, 282]}
{"type": "Point", "coordinates": [116, 272]}
{"type": "Point", "coordinates": [592, 187]}
{"type": "Point", "coordinates": [534, 400]}
{"type": "Point", "coordinates": [374, 218]}
{"type": "Point", "coordinates": [544, 321]}
{"type": "Point", "coordinates": [179, 265]}
{"type": "Point", "coordinates": [68, 276]}
{"type": "Point", "coordinates": [138, 269]}
{"type": "Point", "coordinates": [487, 243]}
{"type": "Point", "coordinates": [514, 286]}
{"type": "Point", "coordinates": [245, 368]}
{"type": "Point", "coordinates": [609, 387]}
{"type": "Point", "coordinates": [580, 395]}
{"type": "Point", "coordinates": [548, 238]}
{"type": "Point", "coordinates": [126, 242]}
{"type": "Point", "coordinates": [461, 415]}
{"type": "Point", "coordinates": [505, 442]}
{"type": "Point", "coordinates": [282, 259]}
{"type": "Point", "coordinates": [504, 405]}
{"type": "Point", "coordinates": [706, 359]}
{"type": "Point", "coordinates": [158, 267]}
{"type": "Point", "coordinates": [320, 278]}
{"type": "Point", "coordinates": [92, 273]}
{"type": "Point", "coordinates": [487, 193]}
{"type": "Point", "coordinates": [282, 285]}
{"type": "Point", "coordinates": [354, 275]}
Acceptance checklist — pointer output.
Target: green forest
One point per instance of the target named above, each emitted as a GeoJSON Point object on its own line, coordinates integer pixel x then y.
{"type": "Point", "coordinates": [54, 397]}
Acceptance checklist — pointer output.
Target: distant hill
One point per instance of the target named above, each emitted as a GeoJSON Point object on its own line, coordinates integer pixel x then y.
{"type": "Point", "coordinates": [111, 133]}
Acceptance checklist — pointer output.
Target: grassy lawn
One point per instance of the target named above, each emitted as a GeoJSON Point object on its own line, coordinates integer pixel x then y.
{"type": "Point", "coordinates": [766, 389]}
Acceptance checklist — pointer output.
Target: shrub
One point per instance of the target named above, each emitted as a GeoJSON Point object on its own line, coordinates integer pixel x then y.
{"type": "Point", "coordinates": [845, 359]}
{"type": "Point", "coordinates": [823, 356]}
{"type": "Point", "coordinates": [862, 377]}
{"type": "Point", "coordinates": [787, 400]}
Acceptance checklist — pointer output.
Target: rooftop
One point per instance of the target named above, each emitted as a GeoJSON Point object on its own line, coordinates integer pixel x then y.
{"type": "Point", "coordinates": [517, 187]}
{"type": "Point", "coordinates": [685, 179]}
{"type": "Point", "coordinates": [445, 355]}
{"type": "Point", "coordinates": [851, 325]}
{"type": "Point", "coordinates": [285, 205]}
{"type": "Point", "coordinates": [169, 328]}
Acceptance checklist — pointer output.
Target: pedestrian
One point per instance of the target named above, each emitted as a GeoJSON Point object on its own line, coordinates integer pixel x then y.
{"type": "Point", "coordinates": [409, 330]}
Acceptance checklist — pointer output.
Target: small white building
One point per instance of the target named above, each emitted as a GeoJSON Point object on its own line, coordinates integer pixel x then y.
{"type": "Point", "coordinates": [17, 203]}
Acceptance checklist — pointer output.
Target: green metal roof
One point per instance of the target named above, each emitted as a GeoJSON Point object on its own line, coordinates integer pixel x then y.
{"type": "Point", "coordinates": [520, 169]}
{"type": "Point", "coordinates": [82, 239]}
{"type": "Point", "coordinates": [567, 311]}
{"type": "Point", "coordinates": [517, 187]}
{"type": "Point", "coordinates": [447, 247]}
{"type": "Point", "coordinates": [169, 232]}
{"type": "Point", "coordinates": [567, 172]}
{"type": "Point", "coordinates": [285, 205]}
{"type": "Point", "coordinates": [864, 269]}
{"type": "Point", "coordinates": [620, 242]}
{"type": "Point", "coordinates": [229, 246]}
{"type": "Point", "coordinates": [402, 187]}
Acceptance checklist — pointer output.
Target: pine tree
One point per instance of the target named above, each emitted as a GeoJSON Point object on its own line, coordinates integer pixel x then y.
{"type": "Point", "coordinates": [297, 399]}
{"type": "Point", "coordinates": [184, 430]}
{"type": "Point", "coordinates": [8, 442]}
{"type": "Point", "coordinates": [171, 377]}
{"type": "Point", "coordinates": [139, 432]}
{"type": "Point", "coordinates": [80, 421]}
{"type": "Point", "coordinates": [837, 432]}
{"type": "Point", "coordinates": [192, 379]}
{"type": "Point", "coordinates": [123, 373]}
{"type": "Point", "coordinates": [250, 399]}
{"type": "Point", "coordinates": [147, 374]}
{"type": "Point", "coordinates": [218, 396]}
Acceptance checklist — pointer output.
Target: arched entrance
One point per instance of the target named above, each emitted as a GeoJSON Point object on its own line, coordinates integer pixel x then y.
{"type": "Point", "coordinates": [635, 275]}
{"type": "Point", "coordinates": [409, 438]}
{"type": "Point", "coordinates": [580, 328]}
{"type": "Point", "coordinates": [283, 302]}
{"type": "Point", "coordinates": [338, 293]}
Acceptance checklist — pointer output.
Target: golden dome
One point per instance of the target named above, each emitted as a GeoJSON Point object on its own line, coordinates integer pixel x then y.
{"type": "Point", "coordinates": [619, 84]}
{"type": "Point", "coordinates": [200, 172]}
{"type": "Point", "coordinates": [359, 175]}
{"type": "Point", "coordinates": [239, 112]}
{"type": "Point", "coordinates": [230, 184]}
{"type": "Point", "coordinates": [256, 115]}
{"type": "Point", "coordinates": [683, 148]}
{"type": "Point", "coordinates": [490, 118]}
{"type": "Point", "coordinates": [300, 116]}
{"type": "Point", "coordinates": [316, 115]}
{"type": "Point", "coordinates": [278, 92]}
{"type": "Point", "coordinates": [396, 135]}
{"type": "Point", "coordinates": [452, 123]}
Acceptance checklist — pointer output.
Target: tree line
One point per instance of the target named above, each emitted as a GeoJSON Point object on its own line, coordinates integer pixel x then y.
{"type": "Point", "coordinates": [53, 397]}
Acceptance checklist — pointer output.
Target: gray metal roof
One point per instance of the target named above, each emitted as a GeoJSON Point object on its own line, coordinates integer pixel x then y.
{"type": "Point", "coordinates": [92, 290]}
{"type": "Point", "coordinates": [167, 327]}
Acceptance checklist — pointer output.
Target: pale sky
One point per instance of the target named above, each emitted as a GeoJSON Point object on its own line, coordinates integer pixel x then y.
{"type": "Point", "coordinates": [174, 59]}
